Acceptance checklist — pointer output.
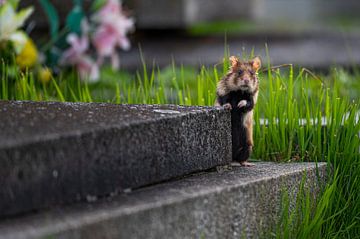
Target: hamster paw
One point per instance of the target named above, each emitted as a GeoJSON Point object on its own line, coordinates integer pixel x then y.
{"type": "Point", "coordinates": [227, 106]}
{"type": "Point", "coordinates": [235, 164]}
{"type": "Point", "coordinates": [242, 103]}
{"type": "Point", "coordinates": [247, 164]}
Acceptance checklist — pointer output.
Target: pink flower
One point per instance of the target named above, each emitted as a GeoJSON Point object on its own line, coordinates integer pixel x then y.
{"type": "Point", "coordinates": [88, 69]}
{"type": "Point", "coordinates": [76, 56]}
{"type": "Point", "coordinates": [112, 30]}
{"type": "Point", "coordinates": [2, 2]}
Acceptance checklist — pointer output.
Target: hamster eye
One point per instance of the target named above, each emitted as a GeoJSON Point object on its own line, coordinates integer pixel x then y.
{"type": "Point", "coordinates": [252, 72]}
{"type": "Point", "coordinates": [240, 72]}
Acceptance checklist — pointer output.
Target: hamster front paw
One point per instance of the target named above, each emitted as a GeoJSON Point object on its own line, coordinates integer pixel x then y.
{"type": "Point", "coordinates": [242, 103]}
{"type": "Point", "coordinates": [247, 164]}
{"type": "Point", "coordinates": [227, 106]}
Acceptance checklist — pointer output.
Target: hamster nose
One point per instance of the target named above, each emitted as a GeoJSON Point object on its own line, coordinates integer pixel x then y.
{"type": "Point", "coordinates": [246, 81]}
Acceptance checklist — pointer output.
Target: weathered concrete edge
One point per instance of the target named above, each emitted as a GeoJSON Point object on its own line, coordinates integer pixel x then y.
{"type": "Point", "coordinates": [94, 130]}
{"type": "Point", "coordinates": [224, 210]}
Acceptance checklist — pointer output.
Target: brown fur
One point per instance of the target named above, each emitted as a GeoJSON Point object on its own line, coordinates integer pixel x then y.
{"type": "Point", "coordinates": [232, 81]}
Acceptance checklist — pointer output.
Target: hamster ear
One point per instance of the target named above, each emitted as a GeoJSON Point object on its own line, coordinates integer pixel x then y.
{"type": "Point", "coordinates": [256, 63]}
{"type": "Point", "coordinates": [234, 61]}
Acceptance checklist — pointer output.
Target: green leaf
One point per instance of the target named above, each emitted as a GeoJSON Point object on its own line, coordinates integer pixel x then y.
{"type": "Point", "coordinates": [22, 15]}
{"type": "Point", "coordinates": [52, 16]}
{"type": "Point", "coordinates": [58, 90]}
{"type": "Point", "coordinates": [73, 20]}
{"type": "Point", "coordinates": [97, 4]}
{"type": "Point", "coordinates": [52, 56]}
{"type": "Point", "coordinates": [78, 2]}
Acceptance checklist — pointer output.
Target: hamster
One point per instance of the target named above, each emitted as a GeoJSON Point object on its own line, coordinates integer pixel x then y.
{"type": "Point", "coordinates": [238, 91]}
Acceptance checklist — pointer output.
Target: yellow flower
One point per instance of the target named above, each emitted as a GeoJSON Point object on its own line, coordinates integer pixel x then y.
{"type": "Point", "coordinates": [45, 75]}
{"type": "Point", "coordinates": [28, 55]}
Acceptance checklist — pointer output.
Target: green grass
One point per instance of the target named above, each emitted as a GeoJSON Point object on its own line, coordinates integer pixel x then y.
{"type": "Point", "coordinates": [292, 101]}
{"type": "Point", "coordinates": [288, 100]}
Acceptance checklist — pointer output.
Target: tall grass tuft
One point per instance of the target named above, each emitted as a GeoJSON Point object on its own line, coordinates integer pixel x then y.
{"type": "Point", "coordinates": [308, 120]}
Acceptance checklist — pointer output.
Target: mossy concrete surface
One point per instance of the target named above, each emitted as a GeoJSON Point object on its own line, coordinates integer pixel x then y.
{"type": "Point", "coordinates": [231, 203]}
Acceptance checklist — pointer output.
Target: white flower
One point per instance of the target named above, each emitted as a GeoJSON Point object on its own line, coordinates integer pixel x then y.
{"type": "Point", "coordinates": [10, 20]}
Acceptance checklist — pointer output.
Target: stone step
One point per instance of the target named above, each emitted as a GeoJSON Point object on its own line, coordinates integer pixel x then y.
{"type": "Point", "coordinates": [55, 153]}
{"type": "Point", "coordinates": [234, 203]}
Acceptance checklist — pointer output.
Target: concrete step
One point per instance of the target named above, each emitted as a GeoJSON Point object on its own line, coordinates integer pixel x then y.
{"type": "Point", "coordinates": [55, 153]}
{"type": "Point", "coordinates": [235, 203]}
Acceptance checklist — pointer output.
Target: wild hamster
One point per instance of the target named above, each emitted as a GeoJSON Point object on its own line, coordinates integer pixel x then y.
{"type": "Point", "coordinates": [238, 91]}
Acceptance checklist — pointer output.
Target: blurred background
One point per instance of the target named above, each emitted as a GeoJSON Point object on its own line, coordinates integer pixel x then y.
{"type": "Point", "coordinates": [309, 33]}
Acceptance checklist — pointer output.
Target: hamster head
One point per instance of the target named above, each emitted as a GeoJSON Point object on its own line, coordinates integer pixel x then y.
{"type": "Point", "coordinates": [244, 74]}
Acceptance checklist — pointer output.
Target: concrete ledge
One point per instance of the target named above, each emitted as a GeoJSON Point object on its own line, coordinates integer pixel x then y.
{"type": "Point", "coordinates": [55, 153]}
{"type": "Point", "coordinates": [231, 204]}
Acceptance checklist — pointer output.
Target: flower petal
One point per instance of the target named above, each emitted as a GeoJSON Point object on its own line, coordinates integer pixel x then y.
{"type": "Point", "coordinates": [19, 39]}
{"type": "Point", "coordinates": [88, 69]}
{"type": "Point", "coordinates": [105, 41]}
